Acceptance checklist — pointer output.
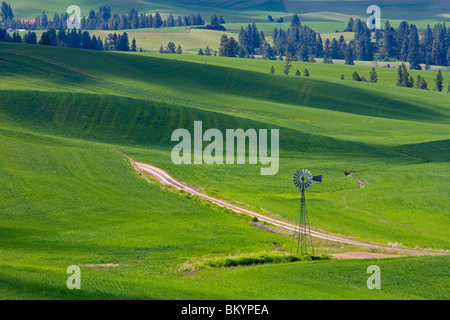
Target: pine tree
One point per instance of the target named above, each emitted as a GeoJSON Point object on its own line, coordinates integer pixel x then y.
{"type": "Point", "coordinates": [123, 44]}
{"type": "Point", "coordinates": [295, 22]}
{"type": "Point", "coordinates": [342, 77]}
{"type": "Point", "coordinates": [272, 70]}
{"type": "Point", "coordinates": [29, 38]}
{"type": "Point", "coordinates": [439, 81]}
{"type": "Point", "coordinates": [133, 45]}
{"type": "Point", "coordinates": [413, 53]}
{"type": "Point", "coordinates": [297, 73]}
{"type": "Point", "coordinates": [421, 83]}
{"type": "Point", "coordinates": [287, 65]}
{"type": "Point", "coordinates": [403, 77]}
{"type": "Point", "coordinates": [157, 20]}
{"type": "Point", "coordinates": [349, 55]}
{"type": "Point", "coordinates": [45, 39]}
{"type": "Point", "coordinates": [373, 75]}
{"type": "Point", "coordinates": [228, 46]}
{"type": "Point", "coordinates": [306, 73]}
{"type": "Point", "coordinates": [350, 24]}
{"type": "Point", "coordinates": [200, 52]}
{"type": "Point", "coordinates": [388, 41]}
{"type": "Point", "coordinates": [207, 51]}
{"type": "Point", "coordinates": [356, 76]}
{"type": "Point", "coordinates": [170, 48]}
{"type": "Point", "coordinates": [179, 50]}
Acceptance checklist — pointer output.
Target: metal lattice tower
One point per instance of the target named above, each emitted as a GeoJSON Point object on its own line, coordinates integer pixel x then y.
{"type": "Point", "coordinates": [303, 179]}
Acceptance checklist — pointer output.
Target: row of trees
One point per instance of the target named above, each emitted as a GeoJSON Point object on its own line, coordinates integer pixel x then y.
{"type": "Point", "coordinates": [103, 19]}
{"type": "Point", "coordinates": [303, 44]}
{"type": "Point", "coordinates": [373, 76]}
{"type": "Point", "coordinates": [72, 39]}
{"type": "Point", "coordinates": [171, 48]}
{"type": "Point", "coordinates": [404, 79]}
{"type": "Point", "coordinates": [206, 52]}
{"type": "Point", "coordinates": [405, 44]}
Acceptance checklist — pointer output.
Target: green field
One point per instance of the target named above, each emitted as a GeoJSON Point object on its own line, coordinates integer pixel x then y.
{"type": "Point", "coordinates": [69, 196]}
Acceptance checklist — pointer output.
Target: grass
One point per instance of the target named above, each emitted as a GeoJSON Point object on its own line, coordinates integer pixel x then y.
{"type": "Point", "coordinates": [69, 197]}
{"type": "Point", "coordinates": [189, 39]}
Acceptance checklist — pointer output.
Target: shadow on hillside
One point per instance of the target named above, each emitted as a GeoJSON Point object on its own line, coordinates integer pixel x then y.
{"type": "Point", "coordinates": [433, 151]}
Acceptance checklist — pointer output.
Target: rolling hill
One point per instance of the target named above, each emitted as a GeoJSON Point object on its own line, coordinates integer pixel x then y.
{"type": "Point", "coordinates": [69, 196]}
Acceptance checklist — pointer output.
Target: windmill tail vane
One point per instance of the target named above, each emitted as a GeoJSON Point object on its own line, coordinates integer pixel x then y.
{"type": "Point", "coordinates": [303, 179]}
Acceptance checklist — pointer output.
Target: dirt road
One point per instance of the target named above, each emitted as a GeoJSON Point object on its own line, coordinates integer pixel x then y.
{"type": "Point", "coordinates": [164, 178]}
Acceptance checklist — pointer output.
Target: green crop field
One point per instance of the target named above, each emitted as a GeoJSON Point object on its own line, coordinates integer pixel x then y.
{"type": "Point", "coordinates": [71, 119]}
{"type": "Point", "coordinates": [69, 196]}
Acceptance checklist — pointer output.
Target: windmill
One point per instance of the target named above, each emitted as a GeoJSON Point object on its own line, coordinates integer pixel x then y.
{"type": "Point", "coordinates": [303, 179]}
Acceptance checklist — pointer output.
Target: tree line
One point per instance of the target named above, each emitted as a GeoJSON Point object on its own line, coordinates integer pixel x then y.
{"type": "Point", "coordinates": [102, 19]}
{"type": "Point", "coordinates": [72, 39]}
{"type": "Point", "coordinates": [301, 43]}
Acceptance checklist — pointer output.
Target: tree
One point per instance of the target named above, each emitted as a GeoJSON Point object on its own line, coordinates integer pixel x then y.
{"type": "Point", "coordinates": [45, 39]}
{"type": "Point", "coordinates": [389, 44]}
{"type": "Point", "coordinates": [228, 46]}
{"type": "Point", "coordinates": [421, 83]}
{"type": "Point", "coordinates": [85, 40]}
{"type": "Point", "coordinates": [179, 50]}
{"type": "Point", "coordinates": [413, 53]}
{"type": "Point", "coordinates": [44, 20]}
{"type": "Point", "coordinates": [356, 76]}
{"type": "Point", "coordinates": [295, 21]}
{"type": "Point", "coordinates": [439, 81]}
{"type": "Point", "coordinates": [170, 48]}
{"type": "Point", "coordinates": [306, 73]}
{"type": "Point", "coordinates": [200, 52]}
{"type": "Point", "coordinates": [6, 12]}
{"type": "Point", "coordinates": [133, 45]}
{"type": "Point", "coordinates": [403, 77]}
{"type": "Point", "coordinates": [123, 44]}
{"type": "Point", "coordinates": [373, 77]}
{"type": "Point", "coordinates": [272, 70]}
{"type": "Point", "coordinates": [297, 73]}
{"type": "Point", "coordinates": [157, 20]}
{"type": "Point", "coordinates": [207, 51]}
{"type": "Point", "coordinates": [342, 77]}
{"type": "Point", "coordinates": [30, 38]}
{"type": "Point", "coordinates": [287, 65]}
{"type": "Point", "coordinates": [349, 55]}
{"type": "Point", "coordinates": [350, 24]}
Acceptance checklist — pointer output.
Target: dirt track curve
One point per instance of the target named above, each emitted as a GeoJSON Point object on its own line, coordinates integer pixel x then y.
{"type": "Point", "coordinates": [164, 178]}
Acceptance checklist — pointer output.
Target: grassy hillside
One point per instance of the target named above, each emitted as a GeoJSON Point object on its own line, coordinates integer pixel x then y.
{"type": "Point", "coordinates": [69, 197]}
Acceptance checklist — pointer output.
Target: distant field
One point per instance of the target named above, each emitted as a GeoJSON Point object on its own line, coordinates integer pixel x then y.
{"type": "Point", "coordinates": [189, 39]}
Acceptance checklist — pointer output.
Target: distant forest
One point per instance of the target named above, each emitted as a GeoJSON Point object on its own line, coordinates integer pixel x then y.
{"type": "Point", "coordinates": [104, 19]}
{"type": "Point", "coordinates": [297, 43]}
{"type": "Point", "coordinates": [301, 43]}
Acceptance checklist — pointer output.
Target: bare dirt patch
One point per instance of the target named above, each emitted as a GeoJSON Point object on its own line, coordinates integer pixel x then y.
{"type": "Point", "coordinates": [101, 265]}
{"type": "Point", "coordinates": [361, 183]}
{"type": "Point", "coordinates": [363, 255]}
